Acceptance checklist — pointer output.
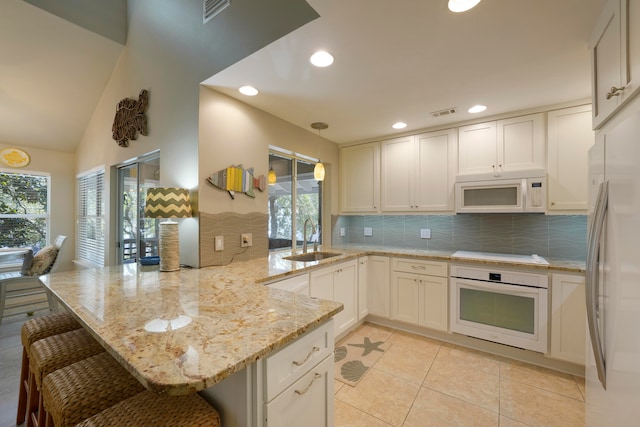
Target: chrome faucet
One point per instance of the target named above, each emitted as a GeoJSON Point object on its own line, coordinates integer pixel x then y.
{"type": "Point", "coordinates": [304, 238]}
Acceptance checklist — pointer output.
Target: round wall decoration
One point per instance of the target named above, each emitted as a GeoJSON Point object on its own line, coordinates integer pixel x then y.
{"type": "Point", "coordinates": [14, 157]}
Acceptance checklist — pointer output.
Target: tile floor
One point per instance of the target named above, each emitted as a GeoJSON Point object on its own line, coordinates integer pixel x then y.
{"type": "Point", "coordinates": [417, 382]}
{"type": "Point", "coordinates": [422, 382]}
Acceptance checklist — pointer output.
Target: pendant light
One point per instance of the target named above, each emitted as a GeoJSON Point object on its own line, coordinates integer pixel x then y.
{"type": "Point", "coordinates": [271, 177]}
{"type": "Point", "coordinates": [318, 170]}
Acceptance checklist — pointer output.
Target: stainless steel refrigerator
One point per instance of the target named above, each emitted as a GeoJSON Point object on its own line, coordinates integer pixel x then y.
{"type": "Point", "coordinates": [613, 277]}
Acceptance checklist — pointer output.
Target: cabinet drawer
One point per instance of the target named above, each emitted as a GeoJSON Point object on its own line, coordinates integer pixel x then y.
{"type": "Point", "coordinates": [309, 399]}
{"type": "Point", "coordinates": [287, 365]}
{"type": "Point", "coordinates": [431, 268]}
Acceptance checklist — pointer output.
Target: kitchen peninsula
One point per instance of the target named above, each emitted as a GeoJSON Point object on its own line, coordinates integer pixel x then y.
{"type": "Point", "coordinates": [182, 332]}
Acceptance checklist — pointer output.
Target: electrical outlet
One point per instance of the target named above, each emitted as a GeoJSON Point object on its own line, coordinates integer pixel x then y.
{"type": "Point", "coordinates": [218, 243]}
{"type": "Point", "coordinates": [425, 233]}
{"type": "Point", "coordinates": [368, 231]}
{"type": "Point", "coordinates": [342, 233]}
{"type": "Point", "coordinates": [246, 240]}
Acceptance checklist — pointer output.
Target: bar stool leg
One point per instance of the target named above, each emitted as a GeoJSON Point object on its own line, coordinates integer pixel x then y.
{"type": "Point", "coordinates": [22, 392]}
{"type": "Point", "coordinates": [33, 395]}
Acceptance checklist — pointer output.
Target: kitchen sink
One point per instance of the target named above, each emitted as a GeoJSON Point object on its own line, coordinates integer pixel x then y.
{"type": "Point", "coordinates": [311, 256]}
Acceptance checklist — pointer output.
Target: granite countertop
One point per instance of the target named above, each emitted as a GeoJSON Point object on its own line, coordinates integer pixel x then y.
{"type": "Point", "coordinates": [181, 332]}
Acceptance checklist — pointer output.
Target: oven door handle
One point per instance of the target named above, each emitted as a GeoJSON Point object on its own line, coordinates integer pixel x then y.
{"type": "Point", "coordinates": [501, 287]}
{"type": "Point", "coordinates": [592, 279]}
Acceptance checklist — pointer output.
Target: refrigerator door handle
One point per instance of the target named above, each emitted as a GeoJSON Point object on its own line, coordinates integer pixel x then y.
{"type": "Point", "coordinates": [592, 285]}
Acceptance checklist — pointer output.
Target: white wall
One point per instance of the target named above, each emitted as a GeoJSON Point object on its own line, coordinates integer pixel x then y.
{"type": "Point", "coordinates": [169, 52]}
{"type": "Point", "coordinates": [60, 167]}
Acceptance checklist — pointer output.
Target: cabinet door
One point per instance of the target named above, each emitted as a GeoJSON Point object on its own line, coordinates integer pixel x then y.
{"type": "Point", "coordinates": [345, 290]}
{"type": "Point", "coordinates": [568, 318]}
{"type": "Point", "coordinates": [606, 62]}
{"type": "Point", "coordinates": [298, 284]}
{"type": "Point", "coordinates": [631, 44]}
{"type": "Point", "coordinates": [521, 143]}
{"type": "Point", "coordinates": [309, 399]}
{"type": "Point", "coordinates": [321, 284]}
{"type": "Point", "coordinates": [396, 178]}
{"type": "Point", "coordinates": [363, 287]}
{"type": "Point", "coordinates": [434, 310]}
{"type": "Point", "coordinates": [405, 297]}
{"type": "Point", "coordinates": [379, 293]}
{"type": "Point", "coordinates": [435, 170]}
{"type": "Point", "coordinates": [477, 148]}
{"type": "Point", "coordinates": [360, 177]}
{"type": "Point", "coordinates": [570, 138]}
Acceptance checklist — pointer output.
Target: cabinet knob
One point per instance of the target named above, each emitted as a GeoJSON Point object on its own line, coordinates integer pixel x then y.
{"type": "Point", "coordinates": [615, 91]}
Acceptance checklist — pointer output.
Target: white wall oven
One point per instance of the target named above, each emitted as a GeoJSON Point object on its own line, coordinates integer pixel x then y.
{"type": "Point", "coordinates": [500, 305]}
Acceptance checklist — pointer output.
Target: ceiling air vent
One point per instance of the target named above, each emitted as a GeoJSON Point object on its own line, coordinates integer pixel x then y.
{"type": "Point", "coordinates": [445, 112]}
{"type": "Point", "coordinates": [213, 7]}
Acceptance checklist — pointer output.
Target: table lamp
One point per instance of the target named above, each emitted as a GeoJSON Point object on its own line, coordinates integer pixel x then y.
{"type": "Point", "coordinates": [168, 202]}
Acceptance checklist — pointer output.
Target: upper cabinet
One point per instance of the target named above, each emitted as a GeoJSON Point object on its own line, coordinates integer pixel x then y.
{"type": "Point", "coordinates": [418, 172]}
{"type": "Point", "coordinates": [496, 147]}
{"type": "Point", "coordinates": [360, 178]}
{"type": "Point", "coordinates": [615, 58]}
{"type": "Point", "coordinates": [569, 139]}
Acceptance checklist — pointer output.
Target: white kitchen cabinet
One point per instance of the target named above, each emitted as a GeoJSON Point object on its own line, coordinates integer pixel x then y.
{"type": "Point", "coordinates": [418, 172]}
{"type": "Point", "coordinates": [615, 58]}
{"type": "Point", "coordinates": [363, 287]}
{"type": "Point", "coordinates": [568, 318]}
{"type": "Point", "coordinates": [569, 139]}
{"type": "Point", "coordinates": [378, 289]}
{"type": "Point", "coordinates": [502, 146]}
{"type": "Point", "coordinates": [298, 284]}
{"type": "Point", "coordinates": [360, 178]}
{"type": "Point", "coordinates": [338, 283]}
{"type": "Point", "coordinates": [419, 292]}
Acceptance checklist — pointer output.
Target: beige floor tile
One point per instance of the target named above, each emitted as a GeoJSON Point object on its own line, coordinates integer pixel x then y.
{"type": "Point", "coordinates": [435, 409]}
{"type": "Point", "coordinates": [581, 386]}
{"type": "Point", "coordinates": [457, 357]}
{"type": "Point", "coordinates": [508, 422]}
{"type": "Point", "coordinates": [415, 343]}
{"type": "Point", "coordinates": [537, 407]}
{"type": "Point", "coordinates": [543, 378]}
{"type": "Point", "coordinates": [381, 395]}
{"type": "Point", "coordinates": [410, 365]}
{"type": "Point", "coordinates": [337, 385]}
{"type": "Point", "coordinates": [348, 416]}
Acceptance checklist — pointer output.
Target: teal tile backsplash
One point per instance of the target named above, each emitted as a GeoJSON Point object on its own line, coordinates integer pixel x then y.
{"type": "Point", "coordinates": [557, 236]}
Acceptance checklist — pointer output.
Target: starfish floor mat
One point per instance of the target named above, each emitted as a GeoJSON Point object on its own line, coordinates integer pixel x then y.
{"type": "Point", "coordinates": [355, 356]}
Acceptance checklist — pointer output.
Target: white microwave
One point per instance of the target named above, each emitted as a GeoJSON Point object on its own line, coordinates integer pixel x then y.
{"type": "Point", "coordinates": [502, 196]}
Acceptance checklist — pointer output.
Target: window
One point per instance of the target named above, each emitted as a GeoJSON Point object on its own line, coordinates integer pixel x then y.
{"type": "Point", "coordinates": [24, 210]}
{"type": "Point", "coordinates": [90, 218]}
{"type": "Point", "coordinates": [295, 197]}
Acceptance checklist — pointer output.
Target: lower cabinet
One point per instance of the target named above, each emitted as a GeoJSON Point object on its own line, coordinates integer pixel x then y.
{"type": "Point", "coordinates": [568, 318]}
{"type": "Point", "coordinates": [419, 293]}
{"type": "Point", "coordinates": [378, 286]}
{"type": "Point", "coordinates": [338, 283]}
{"type": "Point", "coordinates": [363, 287]}
{"type": "Point", "coordinates": [297, 284]}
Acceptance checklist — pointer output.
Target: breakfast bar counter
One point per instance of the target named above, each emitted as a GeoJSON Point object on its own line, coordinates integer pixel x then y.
{"type": "Point", "coordinates": [182, 332]}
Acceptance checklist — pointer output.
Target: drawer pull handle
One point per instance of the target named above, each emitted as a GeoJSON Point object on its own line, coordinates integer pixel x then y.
{"type": "Point", "coordinates": [615, 91]}
{"type": "Point", "coordinates": [313, 350]}
{"type": "Point", "coordinates": [418, 267]}
{"type": "Point", "coordinates": [306, 389]}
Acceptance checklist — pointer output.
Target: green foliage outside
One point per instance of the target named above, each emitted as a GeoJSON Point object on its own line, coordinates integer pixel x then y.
{"type": "Point", "coordinates": [23, 210]}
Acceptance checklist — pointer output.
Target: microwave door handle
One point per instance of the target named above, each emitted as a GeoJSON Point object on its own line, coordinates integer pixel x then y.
{"type": "Point", "coordinates": [592, 285]}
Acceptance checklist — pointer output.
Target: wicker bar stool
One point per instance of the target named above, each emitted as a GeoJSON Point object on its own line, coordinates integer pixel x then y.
{"type": "Point", "coordinates": [50, 354]}
{"type": "Point", "coordinates": [33, 330]}
{"type": "Point", "coordinates": [83, 389]}
{"type": "Point", "coordinates": [150, 409]}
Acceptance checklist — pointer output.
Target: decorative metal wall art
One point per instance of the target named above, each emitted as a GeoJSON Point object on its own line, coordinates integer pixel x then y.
{"type": "Point", "coordinates": [130, 119]}
{"type": "Point", "coordinates": [236, 178]}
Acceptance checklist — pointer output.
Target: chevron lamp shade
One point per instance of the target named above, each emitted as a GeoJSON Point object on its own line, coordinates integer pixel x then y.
{"type": "Point", "coordinates": [167, 202]}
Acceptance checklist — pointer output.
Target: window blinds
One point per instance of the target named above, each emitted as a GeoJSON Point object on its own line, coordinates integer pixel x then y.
{"type": "Point", "coordinates": [90, 218]}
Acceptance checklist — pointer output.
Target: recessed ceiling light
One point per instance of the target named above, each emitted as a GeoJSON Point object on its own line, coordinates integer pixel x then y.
{"type": "Point", "coordinates": [399, 125]}
{"type": "Point", "coordinates": [248, 90]}
{"type": "Point", "coordinates": [477, 109]}
{"type": "Point", "coordinates": [462, 5]}
{"type": "Point", "coordinates": [321, 59]}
